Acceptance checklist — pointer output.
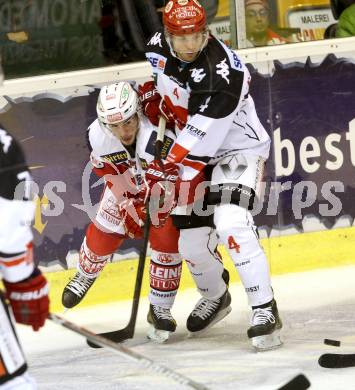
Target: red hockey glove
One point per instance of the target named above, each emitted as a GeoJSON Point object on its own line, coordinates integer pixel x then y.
{"type": "Point", "coordinates": [153, 105]}
{"type": "Point", "coordinates": [29, 299]}
{"type": "Point", "coordinates": [161, 178]}
{"type": "Point", "coordinates": [133, 214]}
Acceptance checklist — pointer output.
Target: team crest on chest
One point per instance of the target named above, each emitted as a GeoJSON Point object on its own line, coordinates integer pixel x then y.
{"type": "Point", "coordinates": [197, 74]}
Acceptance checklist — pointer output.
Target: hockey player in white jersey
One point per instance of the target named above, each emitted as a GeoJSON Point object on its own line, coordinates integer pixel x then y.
{"type": "Point", "coordinates": [205, 86]}
{"type": "Point", "coordinates": [122, 145]}
{"type": "Point", "coordinates": [26, 291]}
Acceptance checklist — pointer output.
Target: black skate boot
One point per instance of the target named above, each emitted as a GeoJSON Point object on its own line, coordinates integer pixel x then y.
{"type": "Point", "coordinates": [207, 312]}
{"type": "Point", "coordinates": [265, 329]}
{"type": "Point", "coordinates": [76, 290]}
{"type": "Point", "coordinates": [162, 323]}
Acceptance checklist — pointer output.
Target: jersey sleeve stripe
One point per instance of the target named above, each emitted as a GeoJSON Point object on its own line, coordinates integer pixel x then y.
{"type": "Point", "coordinates": [204, 159]}
{"type": "Point", "coordinates": [198, 166]}
{"type": "Point", "coordinates": [177, 154]}
{"type": "Point", "coordinates": [12, 263]}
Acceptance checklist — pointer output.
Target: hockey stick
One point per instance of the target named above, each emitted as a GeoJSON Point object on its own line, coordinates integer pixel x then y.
{"type": "Point", "coordinates": [127, 353]}
{"type": "Point", "coordinates": [299, 382]}
{"type": "Point", "coordinates": [337, 360]}
{"type": "Point", "coordinates": [127, 332]}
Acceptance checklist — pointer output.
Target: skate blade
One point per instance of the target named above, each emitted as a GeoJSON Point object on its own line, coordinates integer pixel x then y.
{"type": "Point", "coordinates": [158, 335]}
{"type": "Point", "coordinates": [267, 342]}
{"type": "Point", "coordinates": [223, 313]}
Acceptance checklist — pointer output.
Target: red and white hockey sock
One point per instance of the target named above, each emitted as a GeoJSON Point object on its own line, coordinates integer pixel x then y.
{"type": "Point", "coordinates": [164, 275]}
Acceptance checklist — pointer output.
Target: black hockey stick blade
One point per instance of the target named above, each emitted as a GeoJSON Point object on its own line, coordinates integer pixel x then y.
{"type": "Point", "coordinates": [116, 336]}
{"type": "Point", "coordinates": [299, 382]}
{"type": "Point", "coordinates": [337, 360]}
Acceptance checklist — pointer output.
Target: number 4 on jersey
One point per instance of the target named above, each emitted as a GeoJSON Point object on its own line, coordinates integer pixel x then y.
{"type": "Point", "coordinates": [232, 244]}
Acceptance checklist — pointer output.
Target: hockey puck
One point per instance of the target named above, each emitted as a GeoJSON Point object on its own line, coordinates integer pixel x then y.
{"type": "Point", "coordinates": [334, 343]}
{"type": "Point", "coordinates": [300, 382]}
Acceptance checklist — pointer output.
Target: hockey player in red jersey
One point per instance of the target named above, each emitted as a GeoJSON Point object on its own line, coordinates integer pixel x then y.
{"type": "Point", "coordinates": [26, 289]}
{"type": "Point", "coordinates": [205, 87]}
{"type": "Point", "coordinates": [122, 145]}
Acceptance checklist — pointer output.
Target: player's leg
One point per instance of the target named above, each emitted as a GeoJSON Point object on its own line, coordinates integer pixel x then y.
{"type": "Point", "coordinates": [101, 240]}
{"type": "Point", "coordinates": [236, 229]}
{"type": "Point", "coordinates": [198, 246]}
{"type": "Point", "coordinates": [13, 367]}
{"type": "Point", "coordinates": [164, 276]}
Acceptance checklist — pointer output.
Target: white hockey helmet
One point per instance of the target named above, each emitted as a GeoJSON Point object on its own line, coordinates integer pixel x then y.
{"type": "Point", "coordinates": [117, 103]}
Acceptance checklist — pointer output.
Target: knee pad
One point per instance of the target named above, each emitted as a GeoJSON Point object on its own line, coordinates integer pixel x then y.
{"type": "Point", "coordinates": [102, 243]}
{"type": "Point", "coordinates": [235, 228]}
{"type": "Point", "coordinates": [199, 249]}
{"type": "Point", "coordinates": [198, 244]}
{"type": "Point", "coordinates": [164, 238]}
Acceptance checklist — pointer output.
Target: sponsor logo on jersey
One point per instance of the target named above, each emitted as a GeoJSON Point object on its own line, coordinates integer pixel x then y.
{"type": "Point", "coordinates": [155, 40]}
{"type": "Point", "coordinates": [237, 62]}
{"type": "Point", "coordinates": [223, 70]}
{"type": "Point", "coordinates": [182, 2]}
{"type": "Point", "coordinates": [197, 74]}
{"type": "Point", "coordinates": [180, 83]}
{"type": "Point", "coordinates": [167, 144]}
{"type": "Point", "coordinates": [195, 131]}
{"type": "Point", "coordinates": [116, 157]}
{"type": "Point", "coordinates": [157, 62]}
{"type": "Point", "coordinates": [203, 107]}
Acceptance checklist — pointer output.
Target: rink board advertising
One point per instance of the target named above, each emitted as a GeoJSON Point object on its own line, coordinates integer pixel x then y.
{"type": "Point", "coordinates": [307, 108]}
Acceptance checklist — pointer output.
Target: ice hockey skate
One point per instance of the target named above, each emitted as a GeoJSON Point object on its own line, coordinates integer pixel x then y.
{"type": "Point", "coordinates": [76, 290]}
{"type": "Point", "coordinates": [161, 323]}
{"type": "Point", "coordinates": [265, 330]}
{"type": "Point", "coordinates": [208, 312]}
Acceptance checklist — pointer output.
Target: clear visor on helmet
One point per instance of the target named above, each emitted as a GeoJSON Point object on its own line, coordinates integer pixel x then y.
{"type": "Point", "coordinates": [187, 46]}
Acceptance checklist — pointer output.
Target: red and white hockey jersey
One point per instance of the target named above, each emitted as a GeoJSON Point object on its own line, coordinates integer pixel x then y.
{"type": "Point", "coordinates": [210, 97]}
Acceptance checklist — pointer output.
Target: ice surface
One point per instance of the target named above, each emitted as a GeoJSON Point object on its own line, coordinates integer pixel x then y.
{"type": "Point", "coordinates": [313, 305]}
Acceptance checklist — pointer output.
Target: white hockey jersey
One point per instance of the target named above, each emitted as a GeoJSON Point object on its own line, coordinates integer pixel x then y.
{"type": "Point", "coordinates": [16, 214]}
{"type": "Point", "coordinates": [210, 96]}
